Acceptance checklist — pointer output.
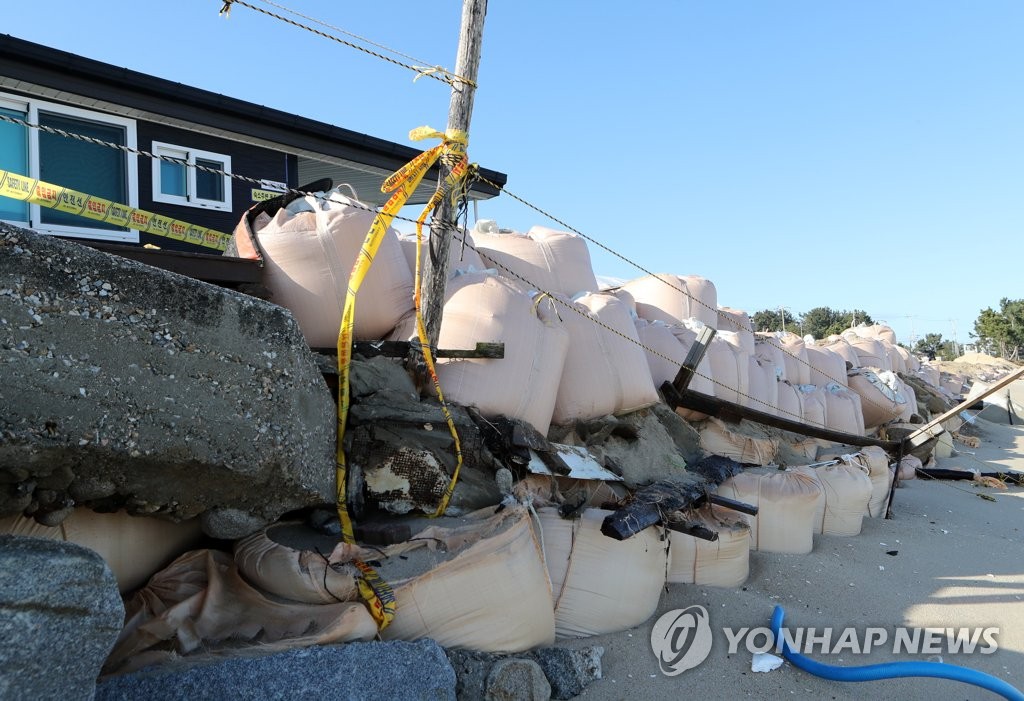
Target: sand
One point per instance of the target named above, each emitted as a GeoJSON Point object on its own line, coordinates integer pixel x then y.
{"type": "Point", "coordinates": [960, 563]}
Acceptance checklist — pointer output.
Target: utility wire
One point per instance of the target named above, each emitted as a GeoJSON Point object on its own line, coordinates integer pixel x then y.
{"type": "Point", "coordinates": [435, 72]}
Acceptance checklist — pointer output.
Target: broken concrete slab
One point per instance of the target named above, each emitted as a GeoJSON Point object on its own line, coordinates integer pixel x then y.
{"type": "Point", "coordinates": [129, 386]}
{"type": "Point", "coordinates": [60, 614]}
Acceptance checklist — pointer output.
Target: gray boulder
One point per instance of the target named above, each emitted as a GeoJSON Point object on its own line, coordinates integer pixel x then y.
{"type": "Point", "coordinates": [129, 386]}
{"type": "Point", "coordinates": [569, 671]}
{"type": "Point", "coordinates": [517, 679]}
{"type": "Point", "coordinates": [371, 671]}
{"type": "Point", "coordinates": [60, 614]}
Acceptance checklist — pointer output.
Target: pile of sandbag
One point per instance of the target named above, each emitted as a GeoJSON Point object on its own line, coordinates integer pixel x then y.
{"type": "Point", "coordinates": [745, 442]}
{"type": "Point", "coordinates": [880, 394]}
{"type": "Point", "coordinates": [787, 503]}
{"type": "Point", "coordinates": [724, 562]}
{"type": "Point", "coordinates": [675, 298]}
{"type": "Point", "coordinates": [542, 259]}
{"type": "Point", "coordinates": [844, 496]}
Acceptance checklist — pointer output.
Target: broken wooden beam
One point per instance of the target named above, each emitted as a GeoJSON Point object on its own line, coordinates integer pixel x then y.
{"type": "Point", "coordinates": [692, 360]}
{"type": "Point", "coordinates": [693, 529]}
{"type": "Point", "coordinates": [720, 408]}
{"type": "Point", "coordinates": [741, 506]}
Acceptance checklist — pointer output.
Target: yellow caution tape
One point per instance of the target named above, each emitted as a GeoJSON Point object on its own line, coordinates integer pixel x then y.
{"type": "Point", "coordinates": [64, 199]}
{"type": "Point", "coordinates": [374, 590]}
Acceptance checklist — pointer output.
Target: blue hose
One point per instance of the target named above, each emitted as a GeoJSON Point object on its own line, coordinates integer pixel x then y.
{"type": "Point", "coordinates": [892, 670]}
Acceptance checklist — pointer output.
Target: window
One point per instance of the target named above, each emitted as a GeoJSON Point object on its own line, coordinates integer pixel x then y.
{"type": "Point", "coordinates": [67, 162]}
{"type": "Point", "coordinates": [180, 182]}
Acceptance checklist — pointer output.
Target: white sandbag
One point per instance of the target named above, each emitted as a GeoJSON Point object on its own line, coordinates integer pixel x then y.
{"type": "Point", "coordinates": [790, 401]}
{"type": "Point", "coordinates": [930, 374]}
{"type": "Point", "coordinates": [673, 298]}
{"type": "Point", "coordinates": [461, 258]}
{"type": "Point", "coordinates": [897, 361]}
{"type": "Point", "coordinates": [814, 405]}
{"type": "Point", "coordinates": [878, 331]}
{"type": "Point", "coordinates": [738, 322]}
{"type": "Point", "coordinates": [798, 369]}
{"type": "Point", "coordinates": [671, 344]}
{"type": "Point", "coordinates": [552, 261]}
{"type": "Point", "coordinates": [523, 385]}
{"type": "Point", "coordinates": [909, 466]}
{"type": "Point", "coordinates": [494, 595]}
{"type": "Point", "coordinates": [845, 492]}
{"type": "Point", "coordinates": [308, 257]}
{"type": "Point", "coordinates": [786, 504]}
{"type": "Point", "coordinates": [913, 362]}
{"type": "Point", "coordinates": [135, 547]}
{"type": "Point", "coordinates": [721, 563]}
{"type": "Point", "coordinates": [840, 345]}
{"type": "Point", "coordinates": [289, 560]}
{"type": "Point", "coordinates": [879, 401]}
{"type": "Point", "coordinates": [827, 366]}
{"type": "Point", "coordinates": [768, 348]}
{"type": "Point", "coordinates": [601, 585]}
{"type": "Point", "coordinates": [843, 410]}
{"type": "Point", "coordinates": [910, 408]}
{"type": "Point", "coordinates": [744, 442]}
{"type": "Point", "coordinates": [605, 372]}
{"type": "Point", "coordinates": [730, 368]}
{"type": "Point", "coordinates": [763, 387]}
{"type": "Point", "coordinates": [871, 352]}
{"type": "Point", "coordinates": [876, 461]}
{"type": "Point", "coordinates": [944, 445]}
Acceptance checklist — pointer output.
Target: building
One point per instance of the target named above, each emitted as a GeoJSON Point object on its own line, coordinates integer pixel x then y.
{"type": "Point", "coordinates": [59, 90]}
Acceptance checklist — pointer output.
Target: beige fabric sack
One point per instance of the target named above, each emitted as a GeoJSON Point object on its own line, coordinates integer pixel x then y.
{"type": "Point", "coordinates": [601, 585]}
{"type": "Point", "coordinates": [876, 461]}
{"type": "Point", "coordinates": [461, 258]}
{"type": "Point", "coordinates": [911, 406]}
{"type": "Point", "coordinates": [605, 372]}
{"type": "Point", "coordinates": [909, 466]}
{"type": "Point", "coordinates": [768, 348]}
{"type": "Point", "coordinates": [673, 342]}
{"type": "Point", "coordinates": [897, 360]}
{"type": "Point", "coordinates": [845, 492]}
{"type": "Point", "coordinates": [524, 384]}
{"type": "Point", "coordinates": [878, 331]}
{"type": "Point", "coordinates": [871, 352]}
{"type": "Point", "coordinates": [744, 442]}
{"type": "Point", "coordinates": [790, 402]}
{"type": "Point", "coordinates": [551, 261]}
{"type": "Point", "coordinates": [308, 258]}
{"type": "Point", "coordinates": [730, 368]}
{"type": "Point", "coordinates": [930, 374]}
{"type": "Point", "coordinates": [827, 366]}
{"type": "Point", "coordinates": [763, 387]}
{"type": "Point", "coordinates": [814, 405]}
{"type": "Point", "coordinates": [488, 591]}
{"type": "Point", "coordinates": [879, 402]}
{"type": "Point", "coordinates": [135, 547]}
{"type": "Point", "coordinates": [200, 603]}
{"type": "Point", "coordinates": [839, 344]}
{"type": "Point", "coordinates": [786, 504]}
{"type": "Point", "coordinates": [721, 563]}
{"type": "Point", "coordinates": [843, 410]}
{"type": "Point", "coordinates": [673, 298]}
{"type": "Point", "coordinates": [738, 322]}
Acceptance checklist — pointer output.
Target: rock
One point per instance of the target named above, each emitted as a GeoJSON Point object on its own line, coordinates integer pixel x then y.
{"type": "Point", "coordinates": [471, 671]}
{"type": "Point", "coordinates": [177, 394]}
{"type": "Point", "coordinates": [377, 670]}
{"type": "Point", "coordinates": [231, 524]}
{"type": "Point", "coordinates": [517, 679]}
{"type": "Point", "coordinates": [60, 614]}
{"type": "Point", "coordinates": [569, 671]}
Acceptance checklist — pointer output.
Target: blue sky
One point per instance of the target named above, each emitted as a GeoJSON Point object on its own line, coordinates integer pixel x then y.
{"type": "Point", "coordinates": [805, 153]}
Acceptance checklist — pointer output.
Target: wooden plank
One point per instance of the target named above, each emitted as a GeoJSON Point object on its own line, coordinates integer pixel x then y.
{"type": "Point", "coordinates": [221, 270]}
{"type": "Point", "coordinates": [693, 358]}
{"type": "Point", "coordinates": [713, 406]}
{"type": "Point", "coordinates": [400, 349]}
{"type": "Point", "coordinates": [1019, 372]}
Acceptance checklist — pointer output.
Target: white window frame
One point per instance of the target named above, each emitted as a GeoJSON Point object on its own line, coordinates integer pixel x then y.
{"type": "Point", "coordinates": [191, 155]}
{"type": "Point", "coordinates": [34, 107]}
{"type": "Point", "coordinates": [16, 104]}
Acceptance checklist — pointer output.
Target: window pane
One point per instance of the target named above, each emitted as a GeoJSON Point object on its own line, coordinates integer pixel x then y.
{"type": "Point", "coordinates": [13, 157]}
{"type": "Point", "coordinates": [90, 168]}
{"type": "Point", "coordinates": [209, 186]}
{"type": "Point", "coordinates": [173, 179]}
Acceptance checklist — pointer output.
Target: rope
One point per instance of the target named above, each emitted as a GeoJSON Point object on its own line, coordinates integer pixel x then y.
{"type": "Point", "coordinates": [437, 72]}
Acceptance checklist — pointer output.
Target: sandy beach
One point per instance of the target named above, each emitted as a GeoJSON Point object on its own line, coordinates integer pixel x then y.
{"type": "Point", "coordinates": [959, 564]}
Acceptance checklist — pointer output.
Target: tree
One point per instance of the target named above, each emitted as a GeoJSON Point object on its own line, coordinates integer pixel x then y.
{"type": "Point", "coordinates": [1002, 332]}
{"type": "Point", "coordinates": [821, 322]}
{"type": "Point", "coordinates": [769, 320]}
{"type": "Point", "coordinates": [933, 346]}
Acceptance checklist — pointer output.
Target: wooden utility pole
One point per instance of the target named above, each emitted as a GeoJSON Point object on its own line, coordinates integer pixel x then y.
{"type": "Point", "coordinates": [460, 111]}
